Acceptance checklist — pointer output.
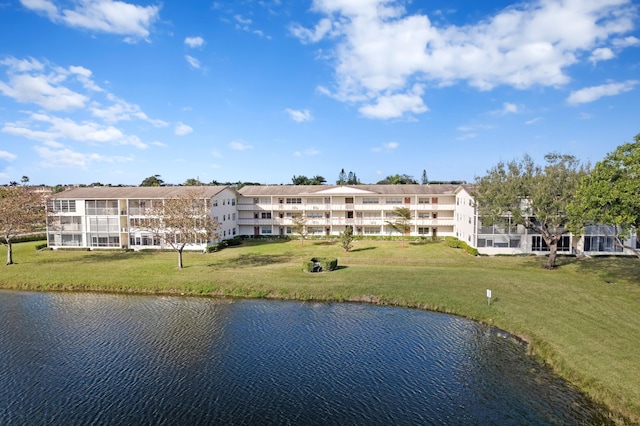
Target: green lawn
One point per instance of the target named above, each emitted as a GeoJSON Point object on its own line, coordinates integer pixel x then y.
{"type": "Point", "coordinates": [582, 318]}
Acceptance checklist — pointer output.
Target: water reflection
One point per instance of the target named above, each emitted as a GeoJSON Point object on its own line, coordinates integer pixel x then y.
{"type": "Point", "coordinates": [111, 359]}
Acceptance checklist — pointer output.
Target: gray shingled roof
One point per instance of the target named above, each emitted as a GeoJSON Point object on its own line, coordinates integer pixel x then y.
{"type": "Point", "coordinates": [284, 190]}
{"type": "Point", "coordinates": [142, 192]}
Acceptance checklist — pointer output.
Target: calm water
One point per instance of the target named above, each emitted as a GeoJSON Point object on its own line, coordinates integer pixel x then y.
{"type": "Point", "coordinates": [109, 359]}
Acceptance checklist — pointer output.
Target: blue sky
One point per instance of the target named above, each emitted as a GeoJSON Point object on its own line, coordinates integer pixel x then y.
{"type": "Point", "coordinates": [116, 91]}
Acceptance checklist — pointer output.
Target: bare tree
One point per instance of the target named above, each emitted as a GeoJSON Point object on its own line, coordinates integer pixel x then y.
{"type": "Point", "coordinates": [22, 210]}
{"type": "Point", "coordinates": [183, 220]}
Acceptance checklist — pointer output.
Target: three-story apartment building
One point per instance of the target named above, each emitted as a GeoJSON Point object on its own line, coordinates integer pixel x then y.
{"type": "Point", "coordinates": [115, 217]}
{"type": "Point", "coordinates": [328, 209]}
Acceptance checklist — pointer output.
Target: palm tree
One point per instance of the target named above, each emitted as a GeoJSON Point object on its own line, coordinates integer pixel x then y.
{"type": "Point", "coordinates": [402, 222]}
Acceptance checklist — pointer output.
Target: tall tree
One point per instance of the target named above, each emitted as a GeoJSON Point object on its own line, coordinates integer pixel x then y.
{"type": "Point", "coordinates": [353, 179]}
{"type": "Point", "coordinates": [425, 178]}
{"type": "Point", "coordinates": [401, 222]}
{"type": "Point", "coordinates": [25, 180]}
{"type": "Point", "coordinates": [534, 196]}
{"type": "Point", "coordinates": [22, 210]}
{"type": "Point", "coordinates": [610, 196]}
{"type": "Point", "coordinates": [152, 181]}
{"type": "Point", "coordinates": [182, 220]}
{"type": "Point", "coordinates": [342, 178]}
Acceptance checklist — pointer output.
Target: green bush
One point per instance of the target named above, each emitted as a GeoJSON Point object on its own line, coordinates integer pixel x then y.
{"type": "Point", "coordinates": [27, 238]}
{"type": "Point", "coordinates": [456, 243]}
{"type": "Point", "coordinates": [325, 263]}
{"type": "Point", "coordinates": [41, 246]}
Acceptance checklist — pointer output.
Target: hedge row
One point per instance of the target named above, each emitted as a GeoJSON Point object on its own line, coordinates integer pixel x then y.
{"type": "Point", "coordinates": [453, 242]}
{"type": "Point", "coordinates": [235, 241]}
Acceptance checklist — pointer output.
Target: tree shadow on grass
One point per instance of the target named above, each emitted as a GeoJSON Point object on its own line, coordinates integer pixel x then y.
{"type": "Point", "coordinates": [324, 243]}
{"type": "Point", "coordinates": [612, 269]}
{"type": "Point", "coordinates": [249, 260]}
{"type": "Point", "coordinates": [98, 256]}
{"type": "Point", "coordinates": [362, 249]}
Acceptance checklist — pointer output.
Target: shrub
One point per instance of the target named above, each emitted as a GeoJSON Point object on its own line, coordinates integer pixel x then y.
{"type": "Point", "coordinates": [41, 246]}
{"type": "Point", "coordinates": [325, 264]}
{"type": "Point", "coordinates": [217, 246]}
{"type": "Point", "coordinates": [456, 243]}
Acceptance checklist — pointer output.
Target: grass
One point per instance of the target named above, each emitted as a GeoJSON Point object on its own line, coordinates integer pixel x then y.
{"type": "Point", "coordinates": [583, 318]}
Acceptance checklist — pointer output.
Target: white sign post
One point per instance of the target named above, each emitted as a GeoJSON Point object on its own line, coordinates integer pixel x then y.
{"type": "Point", "coordinates": [488, 297]}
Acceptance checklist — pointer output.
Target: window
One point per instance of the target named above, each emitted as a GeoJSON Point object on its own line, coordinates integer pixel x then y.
{"type": "Point", "coordinates": [101, 207]}
{"type": "Point", "coordinates": [372, 215]}
{"type": "Point", "coordinates": [266, 215]}
{"type": "Point", "coordinates": [371, 230]}
{"type": "Point", "coordinates": [434, 200]}
{"type": "Point", "coordinates": [315, 215]}
{"type": "Point", "coordinates": [600, 243]}
{"type": "Point", "coordinates": [314, 200]}
{"type": "Point", "coordinates": [233, 216]}
{"type": "Point", "coordinates": [423, 231]}
{"type": "Point", "coordinates": [315, 230]}
{"type": "Point", "coordinates": [369, 200]}
{"type": "Point", "coordinates": [423, 200]}
{"type": "Point", "coordinates": [265, 230]}
{"type": "Point", "coordinates": [63, 206]}
{"type": "Point", "coordinates": [394, 200]}
{"type": "Point", "coordinates": [348, 200]}
{"type": "Point", "coordinates": [294, 200]}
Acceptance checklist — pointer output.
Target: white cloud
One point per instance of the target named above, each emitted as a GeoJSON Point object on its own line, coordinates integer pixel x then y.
{"type": "Point", "coordinates": [244, 24]}
{"type": "Point", "coordinates": [394, 106]}
{"type": "Point", "coordinates": [381, 51]}
{"type": "Point", "coordinates": [626, 42]}
{"type": "Point", "coordinates": [601, 54]}
{"type": "Point", "coordinates": [590, 94]}
{"type": "Point", "coordinates": [67, 158]}
{"type": "Point", "coordinates": [322, 28]}
{"type": "Point", "coordinates": [121, 110]}
{"type": "Point", "coordinates": [182, 129]}
{"type": "Point", "coordinates": [533, 120]}
{"type": "Point", "coordinates": [43, 90]}
{"type": "Point", "coordinates": [386, 147]}
{"type": "Point", "coordinates": [299, 115]}
{"type": "Point", "coordinates": [239, 146]}
{"type": "Point", "coordinates": [65, 128]}
{"type": "Point", "coordinates": [7, 156]}
{"type": "Point", "coordinates": [193, 62]}
{"type": "Point", "coordinates": [108, 16]}
{"type": "Point", "coordinates": [194, 41]}
{"type": "Point", "coordinates": [507, 108]}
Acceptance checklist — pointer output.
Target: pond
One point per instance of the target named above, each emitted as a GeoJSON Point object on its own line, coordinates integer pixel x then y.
{"type": "Point", "coordinates": [75, 358]}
